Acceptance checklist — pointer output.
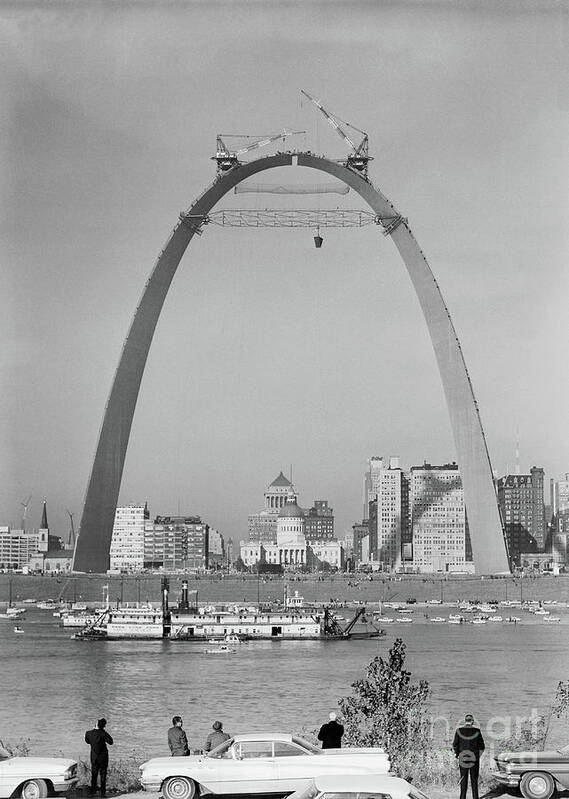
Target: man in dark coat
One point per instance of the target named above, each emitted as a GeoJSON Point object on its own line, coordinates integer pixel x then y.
{"type": "Point", "coordinates": [215, 738]}
{"type": "Point", "coordinates": [98, 739]}
{"type": "Point", "coordinates": [331, 733]}
{"type": "Point", "coordinates": [177, 740]}
{"type": "Point", "coordinates": [468, 745]}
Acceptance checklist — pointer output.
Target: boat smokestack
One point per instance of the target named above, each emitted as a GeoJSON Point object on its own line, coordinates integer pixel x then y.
{"type": "Point", "coordinates": [165, 610]}
{"type": "Point", "coordinates": [184, 603]}
{"type": "Point", "coordinates": [165, 589]}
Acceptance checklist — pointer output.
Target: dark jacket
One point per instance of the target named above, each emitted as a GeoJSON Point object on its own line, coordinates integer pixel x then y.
{"type": "Point", "coordinates": [178, 742]}
{"type": "Point", "coordinates": [468, 739]}
{"type": "Point", "coordinates": [98, 740]}
{"type": "Point", "coordinates": [331, 735]}
{"type": "Point", "coordinates": [214, 739]}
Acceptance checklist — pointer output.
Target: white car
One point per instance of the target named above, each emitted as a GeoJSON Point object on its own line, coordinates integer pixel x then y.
{"type": "Point", "coordinates": [256, 763]}
{"type": "Point", "coordinates": [36, 777]}
{"type": "Point", "coordinates": [358, 786]}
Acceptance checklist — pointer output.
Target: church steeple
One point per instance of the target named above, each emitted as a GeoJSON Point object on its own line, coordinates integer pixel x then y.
{"type": "Point", "coordinates": [44, 525]}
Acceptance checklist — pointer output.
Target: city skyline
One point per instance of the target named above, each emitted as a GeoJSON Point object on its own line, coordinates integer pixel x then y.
{"type": "Point", "coordinates": [268, 352]}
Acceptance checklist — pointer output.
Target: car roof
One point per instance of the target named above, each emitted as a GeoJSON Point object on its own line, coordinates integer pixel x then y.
{"type": "Point", "coordinates": [380, 783]}
{"type": "Point", "coordinates": [264, 736]}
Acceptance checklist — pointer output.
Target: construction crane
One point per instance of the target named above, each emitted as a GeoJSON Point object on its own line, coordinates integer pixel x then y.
{"type": "Point", "coordinates": [71, 538]}
{"type": "Point", "coordinates": [359, 159]}
{"type": "Point", "coordinates": [226, 159]}
{"type": "Point", "coordinates": [25, 504]}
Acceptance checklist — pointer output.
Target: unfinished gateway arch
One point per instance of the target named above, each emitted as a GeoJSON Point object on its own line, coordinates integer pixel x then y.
{"type": "Point", "coordinates": [93, 544]}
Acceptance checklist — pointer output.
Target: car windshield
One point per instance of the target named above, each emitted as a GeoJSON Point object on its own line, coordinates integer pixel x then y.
{"type": "Point", "coordinates": [4, 753]}
{"type": "Point", "coordinates": [223, 750]}
{"type": "Point", "coordinates": [313, 750]}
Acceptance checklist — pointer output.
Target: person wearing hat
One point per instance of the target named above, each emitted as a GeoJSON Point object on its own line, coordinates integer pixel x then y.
{"type": "Point", "coordinates": [331, 733]}
{"type": "Point", "coordinates": [215, 738]}
{"type": "Point", "coordinates": [468, 745]}
{"type": "Point", "coordinates": [98, 738]}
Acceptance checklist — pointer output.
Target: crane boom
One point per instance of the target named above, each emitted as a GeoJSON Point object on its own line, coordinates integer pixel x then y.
{"type": "Point", "coordinates": [331, 120]}
{"type": "Point", "coordinates": [226, 159]}
{"type": "Point", "coordinates": [357, 160]}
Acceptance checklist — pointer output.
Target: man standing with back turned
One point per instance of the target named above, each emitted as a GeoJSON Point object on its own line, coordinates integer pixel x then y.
{"type": "Point", "coordinates": [468, 745]}
{"type": "Point", "coordinates": [331, 734]}
{"type": "Point", "coordinates": [177, 740]}
{"type": "Point", "coordinates": [98, 738]}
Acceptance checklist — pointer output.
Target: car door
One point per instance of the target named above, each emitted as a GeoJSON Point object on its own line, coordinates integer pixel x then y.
{"type": "Point", "coordinates": [7, 784]}
{"type": "Point", "coordinates": [295, 766]}
{"type": "Point", "coordinates": [253, 770]}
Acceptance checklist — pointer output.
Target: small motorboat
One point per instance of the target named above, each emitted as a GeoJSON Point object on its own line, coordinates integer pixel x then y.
{"type": "Point", "coordinates": [222, 649]}
{"type": "Point", "coordinates": [19, 630]}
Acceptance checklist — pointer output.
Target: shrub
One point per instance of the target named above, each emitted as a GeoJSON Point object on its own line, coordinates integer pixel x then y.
{"type": "Point", "coordinates": [123, 774]}
{"type": "Point", "coordinates": [387, 710]}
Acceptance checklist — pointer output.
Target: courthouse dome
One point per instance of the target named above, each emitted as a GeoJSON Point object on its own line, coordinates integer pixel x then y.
{"type": "Point", "coordinates": [290, 510]}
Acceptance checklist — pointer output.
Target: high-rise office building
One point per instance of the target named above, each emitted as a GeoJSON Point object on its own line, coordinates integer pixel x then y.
{"type": "Point", "coordinates": [438, 518]}
{"type": "Point", "coordinates": [177, 542]}
{"type": "Point", "coordinates": [520, 497]}
{"type": "Point", "coordinates": [560, 504]}
{"type": "Point", "coordinates": [319, 522]}
{"type": "Point", "coordinates": [388, 511]}
{"type": "Point", "coordinates": [127, 543]}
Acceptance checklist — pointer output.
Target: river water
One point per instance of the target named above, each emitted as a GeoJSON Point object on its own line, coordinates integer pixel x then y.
{"type": "Point", "coordinates": [53, 688]}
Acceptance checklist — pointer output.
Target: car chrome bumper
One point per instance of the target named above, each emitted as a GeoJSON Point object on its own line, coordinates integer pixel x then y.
{"type": "Point", "coordinates": [60, 786]}
{"type": "Point", "coordinates": [503, 777]}
{"type": "Point", "coordinates": [151, 785]}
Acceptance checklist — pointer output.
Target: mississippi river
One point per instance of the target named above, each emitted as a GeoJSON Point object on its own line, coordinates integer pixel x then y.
{"type": "Point", "coordinates": [53, 688]}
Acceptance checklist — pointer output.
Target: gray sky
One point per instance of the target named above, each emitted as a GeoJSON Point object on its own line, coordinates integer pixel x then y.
{"type": "Point", "coordinates": [269, 352]}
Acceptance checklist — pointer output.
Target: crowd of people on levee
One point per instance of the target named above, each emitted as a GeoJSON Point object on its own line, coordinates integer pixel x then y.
{"type": "Point", "coordinates": [468, 745]}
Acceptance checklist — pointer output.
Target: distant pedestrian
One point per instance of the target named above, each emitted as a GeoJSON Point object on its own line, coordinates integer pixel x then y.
{"type": "Point", "coordinates": [331, 733]}
{"type": "Point", "coordinates": [468, 745]}
{"type": "Point", "coordinates": [177, 740]}
{"type": "Point", "coordinates": [215, 738]}
{"type": "Point", "coordinates": [98, 738]}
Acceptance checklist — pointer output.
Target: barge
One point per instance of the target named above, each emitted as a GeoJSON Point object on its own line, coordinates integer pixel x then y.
{"type": "Point", "coordinates": [186, 623]}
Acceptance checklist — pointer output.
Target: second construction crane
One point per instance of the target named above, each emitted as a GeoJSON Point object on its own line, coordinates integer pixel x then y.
{"type": "Point", "coordinates": [358, 160]}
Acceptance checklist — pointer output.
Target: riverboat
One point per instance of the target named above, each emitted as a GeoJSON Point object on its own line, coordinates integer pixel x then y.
{"type": "Point", "coordinates": [187, 623]}
{"type": "Point", "coordinates": [259, 624]}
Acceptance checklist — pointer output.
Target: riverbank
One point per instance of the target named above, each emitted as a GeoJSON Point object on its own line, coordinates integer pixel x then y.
{"type": "Point", "coordinates": [247, 588]}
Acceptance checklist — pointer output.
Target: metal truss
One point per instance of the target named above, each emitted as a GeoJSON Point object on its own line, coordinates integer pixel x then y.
{"type": "Point", "coordinates": [283, 218]}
